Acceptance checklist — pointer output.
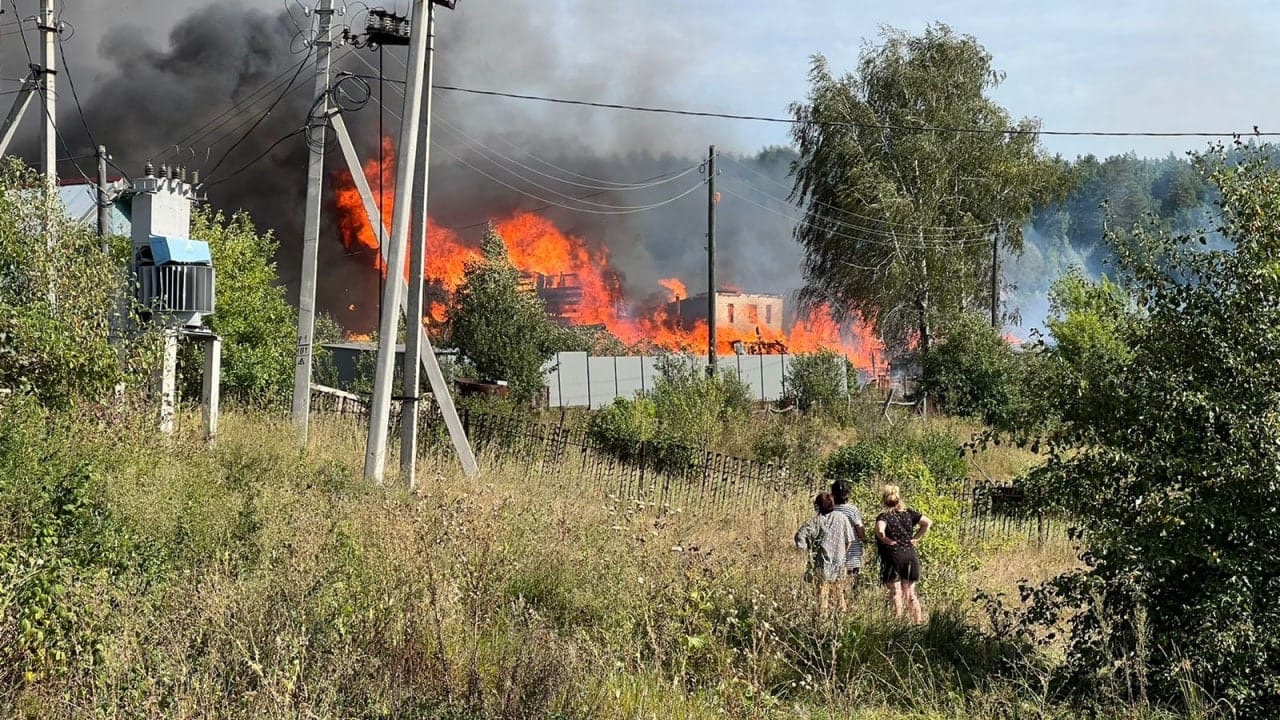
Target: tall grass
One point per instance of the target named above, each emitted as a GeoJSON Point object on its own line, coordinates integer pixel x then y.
{"type": "Point", "coordinates": [256, 580]}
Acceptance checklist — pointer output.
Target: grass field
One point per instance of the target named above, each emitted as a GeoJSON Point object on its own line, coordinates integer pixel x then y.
{"type": "Point", "coordinates": [255, 580]}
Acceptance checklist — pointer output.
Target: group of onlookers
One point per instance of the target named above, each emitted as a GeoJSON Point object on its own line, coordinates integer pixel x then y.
{"type": "Point", "coordinates": [834, 539]}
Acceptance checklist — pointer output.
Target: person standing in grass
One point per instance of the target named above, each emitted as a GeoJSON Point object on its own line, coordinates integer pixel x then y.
{"type": "Point", "coordinates": [898, 530]}
{"type": "Point", "coordinates": [826, 537]}
{"type": "Point", "coordinates": [853, 559]}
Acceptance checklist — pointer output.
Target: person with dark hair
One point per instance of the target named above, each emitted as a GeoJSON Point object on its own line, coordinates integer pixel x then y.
{"type": "Point", "coordinates": [852, 560]}
{"type": "Point", "coordinates": [826, 538]}
{"type": "Point", "coordinates": [899, 529]}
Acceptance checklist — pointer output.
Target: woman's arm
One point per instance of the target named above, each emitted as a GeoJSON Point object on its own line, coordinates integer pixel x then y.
{"type": "Point", "coordinates": [880, 527]}
{"type": "Point", "coordinates": [922, 529]}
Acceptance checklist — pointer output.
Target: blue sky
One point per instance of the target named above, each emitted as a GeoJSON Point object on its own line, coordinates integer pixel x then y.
{"type": "Point", "coordinates": [1078, 66]}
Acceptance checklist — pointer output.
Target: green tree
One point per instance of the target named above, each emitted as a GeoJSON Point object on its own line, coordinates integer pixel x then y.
{"type": "Point", "coordinates": [255, 321]}
{"type": "Point", "coordinates": [899, 221]}
{"type": "Point", "coordinates": [61, 301]}
{"type": "Point", "coordinates": [974, 371]}
{"type": "Point", "coordinates": [501, 327]}
{"type": "Point", "coordinates": [1170, 462]}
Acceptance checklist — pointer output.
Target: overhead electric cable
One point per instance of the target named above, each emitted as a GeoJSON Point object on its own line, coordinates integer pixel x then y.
{"type": "Point", "coordinates": [864, 126]}
{"type": "Point", "coordinates": [862, 236]}
{"type": "Point", "coordinates": [835, 208]}
{"type": "Point", "coordinates": [597, 183]}
{"type": "Point", "coordinates": [261, 118]}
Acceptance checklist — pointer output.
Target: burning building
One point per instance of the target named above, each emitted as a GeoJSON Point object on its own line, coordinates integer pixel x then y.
{"type": "Point", "coordinates": [748, 319]}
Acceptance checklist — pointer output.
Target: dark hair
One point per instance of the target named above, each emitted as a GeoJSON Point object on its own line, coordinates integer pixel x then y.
{"type": "Point", "coordinates": [823, 503]}
{"type": "Point", "coordinates": [840, 492]}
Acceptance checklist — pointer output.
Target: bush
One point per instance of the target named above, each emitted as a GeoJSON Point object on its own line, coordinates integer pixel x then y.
{"type": "Point", "coordinates": [692, 408]}
{"type": "Point", "coordinates": [623, 425]}
{"type": "Point", "coordinates": [58, 301]}
{"type": "Point", "coordinates": [819, 383]}
{"type": "Point", "coordinates": [974, 372]}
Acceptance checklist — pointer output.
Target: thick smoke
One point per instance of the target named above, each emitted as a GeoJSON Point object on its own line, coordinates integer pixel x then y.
{"type": "Point", "coordinates": [150, 72]}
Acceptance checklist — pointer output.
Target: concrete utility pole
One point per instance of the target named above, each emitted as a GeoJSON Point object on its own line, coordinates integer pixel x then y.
{"type": "Point", "coordinates": [711, 262]}
{"type": "Point", "coordinates": [49, 95]}
{"type": "Point", "coordinates": [301, 410]}
{"type": "Point", "coordinates": [410, 408]}
{"type": "Point", "coordinates": [104, 201]}
{"type": "Point", "coordinates": [375, 461]}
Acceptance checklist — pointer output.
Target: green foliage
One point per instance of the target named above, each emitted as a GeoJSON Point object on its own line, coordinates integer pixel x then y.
{"type": "Point", "coordinates": [1168, 456]}
{"type": "Point", "coordinates": [871, 459]}
{"type": "Point", "coordinates": [917, 260]}
{"type": "Point", "coordinates": [58, 538]}
{"type": "Point", "coordinates": [61, 300]}
{"type": "Point", "coordinates": [974, 372]}
{"type": "Point", "coordinates": [692, 408]}
{"type": "Point", "coordinates": [257, 325]}
{"type": "Point", "coordinates": [501, 328]}
{"type": "Point", "coordinates": [1067, 380]}
{"type": "Point", "coordinates": [624, 424]}
{"type": "Point", "coordinates": [818, 383]}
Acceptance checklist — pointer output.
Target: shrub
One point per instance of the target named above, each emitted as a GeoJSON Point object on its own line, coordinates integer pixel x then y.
{"type": "Point", "coordinates": [623, 425]}
{"type": "Point", "coordinates": [58, 300]}
{"type": "Point", "coordinates": [257, 325]}
{"type": "Point", "coordinates": [974, 372]}
{"type": "Point", "coordinates": [819, 383]}
{"type": "Point", "coordinates": [692, 408]}
{"type": "Point", "coordinates": [501, 327]}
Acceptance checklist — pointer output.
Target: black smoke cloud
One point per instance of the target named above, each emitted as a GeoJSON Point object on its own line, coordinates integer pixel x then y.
{"type": "Point", "coordinates": [149, 73]}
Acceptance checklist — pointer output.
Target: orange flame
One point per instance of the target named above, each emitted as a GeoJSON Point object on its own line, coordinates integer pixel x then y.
{"type": "Point", "coordinates": [582, 272]}
{"type": "Point", "coordinates": [676, 289]}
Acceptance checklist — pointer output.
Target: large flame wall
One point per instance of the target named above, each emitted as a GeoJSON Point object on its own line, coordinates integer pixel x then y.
{"type": "Point", "coordinates": [535, 245]}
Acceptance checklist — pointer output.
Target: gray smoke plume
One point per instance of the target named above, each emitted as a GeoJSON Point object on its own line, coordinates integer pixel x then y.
{"type": "Point", "coordinates": [151, 72]}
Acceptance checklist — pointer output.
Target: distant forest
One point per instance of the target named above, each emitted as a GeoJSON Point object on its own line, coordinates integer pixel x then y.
{"type": "Point", "coordinates": [1115, 193]}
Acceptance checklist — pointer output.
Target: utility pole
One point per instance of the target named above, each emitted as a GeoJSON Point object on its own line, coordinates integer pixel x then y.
{"type": "Point", "coordinates": [316, 129]}
{"type": "Point", "coordinates": [410, 370]}
{"type": "Point", "coordinates": [711, 262]}
{"type": "Point", "coordinates": [995, 278]}
{"type": "Point", "coordinates": [375, 461]}
{"type": "Point", "coordinates": [104, 202]}
{"type": "Point", "coordinates": [49, 96]}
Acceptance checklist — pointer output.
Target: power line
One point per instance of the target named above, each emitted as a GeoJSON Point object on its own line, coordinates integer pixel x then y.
{"type": "Point", "coordinates": [607, 209]}
{"type": "Point", "coordinates": [819, 203]}
{"type": "Point", "coordinates": [869, 235]}
{"type": "Point", "coordinates": [258, 157]}
{"type": "Point", "coordinates": [862, 126]}
{"type": "Point", "coordinates": [597, 183]}
{"type": "Point", "coordinates": [66, 70]}
{"type": "Point", "coordinates": [261, 117]}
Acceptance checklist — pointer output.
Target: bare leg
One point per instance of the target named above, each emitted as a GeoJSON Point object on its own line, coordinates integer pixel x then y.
{"type": "Point", "coordinates": [913, 603]}
{"type": "Point", "coordinates": [823, 593]}
{"type": "Point", "coordinates": [895, 597]}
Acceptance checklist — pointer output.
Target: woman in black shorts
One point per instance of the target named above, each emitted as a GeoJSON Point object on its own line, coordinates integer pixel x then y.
{"type": "Point", "coordinates": [898, 530]}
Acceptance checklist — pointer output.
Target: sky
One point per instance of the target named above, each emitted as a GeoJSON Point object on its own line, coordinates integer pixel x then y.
{"type": "Point", "coordinates": [1146, 65]}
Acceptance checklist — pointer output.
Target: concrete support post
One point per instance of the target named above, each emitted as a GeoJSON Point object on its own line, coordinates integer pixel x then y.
{"type": "Point", "coordinates": [169, 382]}
{"type": "Point", "coordinates": [410, 407]}
{"type": "Point", "coordinates": [49, 92]}
{"type": "Point", "coordinates": [439, 387]}
{"type": "Point", "coordinates": [211, 390]}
